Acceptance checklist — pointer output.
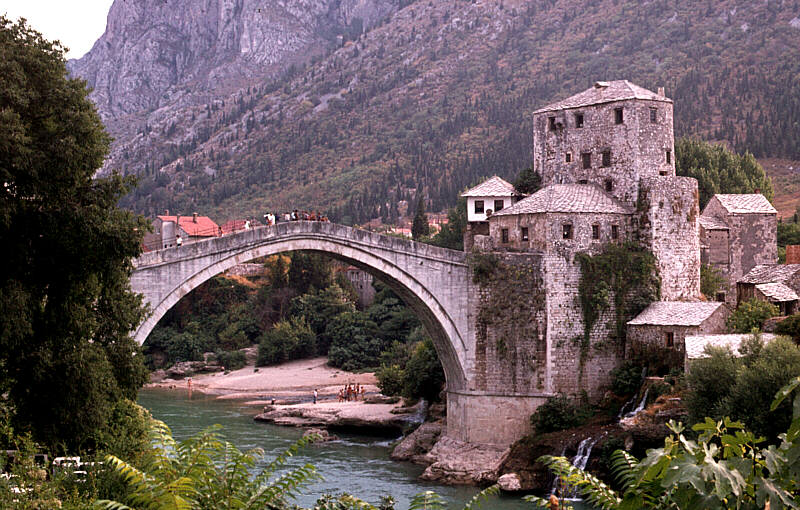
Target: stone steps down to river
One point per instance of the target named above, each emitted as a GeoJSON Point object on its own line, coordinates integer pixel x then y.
{"type": "Point", "coordinates": [387, 419]}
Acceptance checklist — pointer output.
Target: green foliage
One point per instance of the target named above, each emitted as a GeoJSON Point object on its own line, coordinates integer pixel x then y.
{"type": "Point", "coordinates": [711, 281]}
{"type": "Point", "coordinates": [127, 432]}
{"type": "Point", "coordinates": [355, 343]}
{"type": "Point", "coordinates": [451, 235]}
{"type": "Point", "coordinates": [751, 315]}
{"type": "Point", "coordinates": [423, 375]}
{"type": "Point", "coordinates": [231, 360]}
{"type": "Point", "coordinates": [790, 326]}
{"type": "Point", "coordinates": [624, 275]}
{"type": "Point", "coordinates": [288, 340]}
{"type": "Point", "coordinates": [390, 379]}
{"type": "Point", "coordinates": [528, 181]}
{"type": "Point", "coordinates": [206, 473]}
{"type": "Point", "coordinates": [66, 308]}
{"type": "Point", "coordinates": [626, 379]}
{"type": "Point", "coordinates": [309, 272]}
{"type": "Point", "coordinates": [483, 266]}
{"type": "Point", "coordinates": [320, 308]}
{"type": "Point", "coordinates": [419, 226]}
{"type": "Point", "coordinates": [788, 233]}
{"type": "Point", "coordinates": [723, 385]}
{"type": "Point", "coordinates": [719, 170]}
{"type": "Point", "coordinates": [558, 413]}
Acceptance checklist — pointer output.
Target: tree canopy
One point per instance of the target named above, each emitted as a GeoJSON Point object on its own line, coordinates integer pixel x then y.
{"type": "Point", "coordinates": [66, 308]}
{"type": "Point", "coordinates": [718, 170]}
{"type": "Point", "coordinates": [420, 227]}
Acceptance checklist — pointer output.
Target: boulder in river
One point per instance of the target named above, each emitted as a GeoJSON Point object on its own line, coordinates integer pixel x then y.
{"type": "Point", "coordinates": [415, 446]}
{"type": "Point", "coordinates": [510, 482]}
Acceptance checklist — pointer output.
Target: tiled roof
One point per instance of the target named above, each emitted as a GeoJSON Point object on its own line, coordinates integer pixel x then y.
{"type": "Point", "coordinates": [203, 227]}
{"type": "Point", "coordinates": [574, 198]}
{"type": "Point", "coordinates": [696, 344]}
{"type": "Point", "coordinates": [770, 273]}
{"type": "Point", "coordinates": [605, 92]}
{"type": "Point", "coordinates": [233, 226]}
{"type": "Point", "coordinates": [676, 313]}
{"type": "Point", "coordinates": [777, 292]}
{"type": "Point", "coordinates": [746, 203]}
{"type": "Point", "coordinates": [494, 187]}
{"type": "Point", "coordinates": [711, 223]}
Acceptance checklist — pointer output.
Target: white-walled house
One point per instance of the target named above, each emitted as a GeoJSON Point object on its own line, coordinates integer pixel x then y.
{"type": "Point", "coordinates": [485, 199]}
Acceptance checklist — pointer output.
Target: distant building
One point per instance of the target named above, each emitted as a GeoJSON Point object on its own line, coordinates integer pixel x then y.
{"type": "Point", "coordinates": [737, 233]}
{"type": "Point", "coordinates": [362, 283]}
{"type": "Point", "coordinates": [167, 229]}
{"type": "Point", "coordinates": [778, 284]}
{"type": "Point", "coordinates": [485, 199]}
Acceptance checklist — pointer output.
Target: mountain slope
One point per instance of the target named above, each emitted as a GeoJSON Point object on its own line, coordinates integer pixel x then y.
{"type": "Point", "coordinates": [442, 94]}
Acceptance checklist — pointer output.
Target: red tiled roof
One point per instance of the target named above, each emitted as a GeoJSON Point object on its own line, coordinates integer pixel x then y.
{"type": "Point", "coordinates": [203, 227]}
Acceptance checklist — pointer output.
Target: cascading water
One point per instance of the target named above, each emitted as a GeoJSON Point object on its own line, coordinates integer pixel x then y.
{"type": "Point", "coordinates": [641, 405]}
{"type": "Point", "coordinates": [580, 460]}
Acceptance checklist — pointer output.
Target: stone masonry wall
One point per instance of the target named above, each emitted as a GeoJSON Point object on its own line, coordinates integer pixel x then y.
{"type": "Point", "coordinates": [669, 227]}
{"type": "Point", "coordinates": [510, 324]}
{"type": "Point", "coordinates": [638, 147]}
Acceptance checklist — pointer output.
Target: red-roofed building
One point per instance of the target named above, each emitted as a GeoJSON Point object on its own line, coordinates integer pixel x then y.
{"type": "Point", "coordinates": [167, 229]}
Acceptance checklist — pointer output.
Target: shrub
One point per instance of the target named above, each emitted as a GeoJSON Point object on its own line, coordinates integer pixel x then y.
{"type": "Point", "coordinates": [287, 340]}
{"type": "Point", "coordinates": [751, 315]}
{"type": "Point", "coordinates": [355, 343]}
{"type": "Point", "coordinates": [127, 431]}
{"type": "Point", "coordinates": [790, 327]}
{"type": "Point", "coordinates": [711, 280]}
{"type": "Point", "coordinates": [231, 360]}
{"type": "Point", "coordinates": [390, 379]}
{"type": "Point", "coordinates": [558, 413]}
{"type": "Point", "coordinates": [423, 376]}
{"type": "Point", "coordinates": [626, 379]}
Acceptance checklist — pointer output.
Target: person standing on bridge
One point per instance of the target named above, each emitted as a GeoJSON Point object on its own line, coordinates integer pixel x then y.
{"type": "Point", "coordinates": [178, 241]}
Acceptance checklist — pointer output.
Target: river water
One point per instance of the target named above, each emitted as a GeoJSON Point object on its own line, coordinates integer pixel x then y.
{"type": "Point", "coordinates": [358, 465]}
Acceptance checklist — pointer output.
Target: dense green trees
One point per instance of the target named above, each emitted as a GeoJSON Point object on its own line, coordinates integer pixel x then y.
{"type": "Point", "coordinates": [751, 315]}
{"type": "Point", "coordinates": [66, 309]}
{"type": "Point", "coordinates": [719, 170]}
{"type": "Point", "coordinates": [419, 226]}
{"type": "Point", "coordinates": [528, 181]}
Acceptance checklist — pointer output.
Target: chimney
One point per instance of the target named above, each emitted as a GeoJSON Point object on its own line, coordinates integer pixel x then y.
{"type": "Point", "coordinates": [660, 91]}
{"type": "Point", "coordinates": [194, 217]}
{"type": "Point", "coordinates": [600, 84]}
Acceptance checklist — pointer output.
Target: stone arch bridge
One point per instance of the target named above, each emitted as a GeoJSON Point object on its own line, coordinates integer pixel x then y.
{"type": "Point", "coordinates": [435, 282]}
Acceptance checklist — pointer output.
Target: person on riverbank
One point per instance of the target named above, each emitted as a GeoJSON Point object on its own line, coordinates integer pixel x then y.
{"type": "Point", "coordinates": [315, 395]}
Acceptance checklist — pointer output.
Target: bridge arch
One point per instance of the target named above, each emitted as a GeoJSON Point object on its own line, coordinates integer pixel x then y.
{"type": "Point", "coordinates": [429, 279]}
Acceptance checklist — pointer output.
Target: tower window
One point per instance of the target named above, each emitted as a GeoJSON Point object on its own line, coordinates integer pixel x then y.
{"type": "Point", "coordinates": [498, 205]}
{"type": "Point", "coordinates": [670, 340]}
{"type": "Point", "coordinates": [586, 158]}
{"type": "Point", "coordinates": [568, 157]}
{"type": "Point", "coordinates": [551, 122]}
{"type": "Point", "coordinates": [504, 235]}
{"type": "Point", "coordinates": [583, 181]}
{"type": "Point", "coordinates": [669, 157]}
{"type": "Point", "coordinates": [479, 207]}
{"type": "Point", "coordinates": [578, 120]}
{"type": "Point", "coordinates": [618, 118]}
{"type": "Point", "coordinates": [595, 231]}
{"type": "Point", "coordinates": [653, 115]}
{"type": "Point", "coordinates": [524, 233]}
{"type": "Point", "coordinates": [606, 158]}
{"type": "Point", "coordinates": [609, 185]}
{"type": "Point", "coordinates": [614, 232]}
{"type": "Point", "coordinates": [567, 231]}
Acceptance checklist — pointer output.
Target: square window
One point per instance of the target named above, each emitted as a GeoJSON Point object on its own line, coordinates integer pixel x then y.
{"type": "Point", "coordinates": [524, 233]}
{"type": "Point", "coordinates": [479, 207]}
{"type": "Point", "coordinates": [669, 157]}
{"type": "Point", "coordinates": [568, 157]}
{"type": "Point", "coordinates": [595, 231]}
{"type": "Point", "coordinates": [578, 120]}
{"type": "Point", "coordinates": [721, 297]}
{"type": "Point", "coordinates": [614, 232]}
{"type": "Point", "coordinates": [551, 122]}
{"type": "Point", "coordinates": [653, 115]}
{"type": "Point", "coordinates": [498, 205]}
{"type": "Point", "coordinates": [609, 185]}
{"type": "Point", "coordinates": [586, 158]}
{"type": "Point", "coordinates": [504, 235]}
{"type": "Point", "coordinates": [567, 231]}
{"type": "Point", "coordinates": [618, 118]}
{"type": "Point", "coordinates": [670, 339]}
{"type": "Point", "coordinates": [583, 181]}
{"type": "Point", "coordinates": [662, 172]}
{"type": "Point", "coordinates": [606, 158]}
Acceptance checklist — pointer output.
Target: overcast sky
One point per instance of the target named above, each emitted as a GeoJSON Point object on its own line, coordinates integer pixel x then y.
{"type": "Point", "coordinates": [76, 23]}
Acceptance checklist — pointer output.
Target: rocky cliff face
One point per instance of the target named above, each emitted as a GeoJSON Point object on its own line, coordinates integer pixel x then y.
{"type": "Point", "coordinates": [162, 52]}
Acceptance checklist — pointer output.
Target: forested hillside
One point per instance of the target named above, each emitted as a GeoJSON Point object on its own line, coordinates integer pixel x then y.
{"type": "Point", "coordinates": [442, 93]}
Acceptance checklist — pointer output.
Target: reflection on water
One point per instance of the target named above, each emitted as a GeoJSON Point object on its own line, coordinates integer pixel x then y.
{"type": "Point", "coordinates": [356, 464]}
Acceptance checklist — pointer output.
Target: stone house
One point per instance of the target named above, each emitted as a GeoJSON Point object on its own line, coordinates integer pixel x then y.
{"type": "Point", "coordinates": [362, 283]}
{"type": "Point", "coordinates": [487, 198]}
{"type": "Point", "coordinates": [778, 284]}
{"type": "Point", "coordinates": [696, 345]}
{"type": "Point", "coordinates": [665, 324]}
{"type": "Point", "coordinates": [166, 230]}
{"type": "Point", "coordinates": [738, 232]}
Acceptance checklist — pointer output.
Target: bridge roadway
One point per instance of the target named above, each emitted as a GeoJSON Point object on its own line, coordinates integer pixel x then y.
{"type": "Point", "coordinates": [435, 282]}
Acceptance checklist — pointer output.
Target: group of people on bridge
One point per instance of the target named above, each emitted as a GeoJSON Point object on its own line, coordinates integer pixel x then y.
{"type": "Point", "coordinates": [295, 215]}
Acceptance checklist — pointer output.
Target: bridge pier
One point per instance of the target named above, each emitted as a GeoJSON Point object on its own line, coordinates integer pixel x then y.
{"type": "Point", "coordinates": [490, 419]}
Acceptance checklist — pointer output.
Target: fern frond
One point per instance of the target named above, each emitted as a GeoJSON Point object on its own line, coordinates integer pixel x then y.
{"type": "Point", "coordinates": [589, 486]}
{"type": "Point", "coordinates": [481, 497]}
{"type": "Point", "coordinates": [623, 467]}
{"type": "Point", "coordinates": [427, 500]}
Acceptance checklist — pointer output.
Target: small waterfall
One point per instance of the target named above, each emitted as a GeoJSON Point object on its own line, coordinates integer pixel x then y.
{"type": "Point", "coordinates": [641, 405]}
{"type": "Point", "coordinates": [580, 460]}
{"type": "Point", "coordinates": [627, 405]}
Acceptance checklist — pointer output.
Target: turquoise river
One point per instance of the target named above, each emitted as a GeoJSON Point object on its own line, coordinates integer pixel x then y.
{"type": "Point", "coordinates": [359, 465]}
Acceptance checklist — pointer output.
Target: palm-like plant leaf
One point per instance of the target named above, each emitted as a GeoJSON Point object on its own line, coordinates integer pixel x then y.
{"type": "Point", "coordinates": [427, 500]}
{"type": "Point", "coordinates": [589, 486]}
{"type": "Point", "coordinates": [481, 497]}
